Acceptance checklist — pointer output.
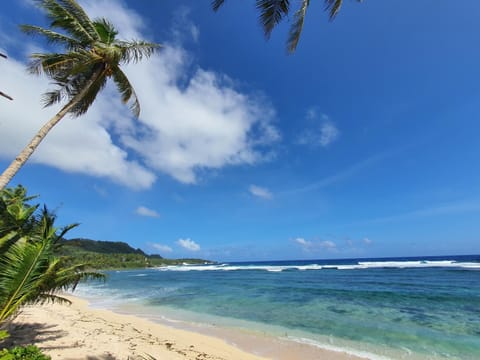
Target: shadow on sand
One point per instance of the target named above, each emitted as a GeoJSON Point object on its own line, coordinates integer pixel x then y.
{"type": "Point", "coordinates": [23, 334]}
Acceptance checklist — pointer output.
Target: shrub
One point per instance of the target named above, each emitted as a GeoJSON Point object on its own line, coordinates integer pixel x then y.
{"type": "Point", "coordinates": [29, 352]}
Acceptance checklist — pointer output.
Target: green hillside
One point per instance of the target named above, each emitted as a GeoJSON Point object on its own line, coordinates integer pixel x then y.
{"type": "Point", "coordinates": [114, 255]}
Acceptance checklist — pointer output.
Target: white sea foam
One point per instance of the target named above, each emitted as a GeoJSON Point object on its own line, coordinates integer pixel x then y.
{"type": "Point", "coordinates": [358, 266]}
{"type": "Point", "coordinates": [357, 353]}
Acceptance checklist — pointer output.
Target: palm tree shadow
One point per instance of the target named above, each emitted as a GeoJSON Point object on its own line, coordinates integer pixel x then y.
{"type": "Point", "coordinates": [25, 333]}
{"type": "Point", "coordinates": [22, 334]}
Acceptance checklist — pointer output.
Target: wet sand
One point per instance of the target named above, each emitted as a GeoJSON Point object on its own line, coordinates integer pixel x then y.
{"type": "Point", "coordinates": [76, 331]}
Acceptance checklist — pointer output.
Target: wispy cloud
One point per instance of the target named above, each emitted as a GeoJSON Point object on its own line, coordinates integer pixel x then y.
{"type": "Point", "coordinates": [340, 176]}
{"type": "Point", "coordinates": [367, 241]}
{"type": "Point", "coordinates": [260, 192]}
{"type": "Point", "coordinates": [320, 130]}
{"type": "Point", "coordinates": [315, 246]}
{"type": "Point", "coordinates": [191, 121]}
{"type": "Point", "coordinates": [302, 242]}
{"type": "Point", "coordinates": [144, 211]}
{"type": "Point", "coordinates": [162, 248]}
{"type": "Point", "coordinates": [100, 190]}
{"type": "Point", "coordinates": [311, 113]}
{"type": "Point", "coordinates": [183, 26]}
{"type": "Point", "coordinates": [188, 244]}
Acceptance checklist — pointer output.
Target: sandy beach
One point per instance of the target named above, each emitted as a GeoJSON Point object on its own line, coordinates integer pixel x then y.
{"type": "Point", "coordinates": [78, 332]}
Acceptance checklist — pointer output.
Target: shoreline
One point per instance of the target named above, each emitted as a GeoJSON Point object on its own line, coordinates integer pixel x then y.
{"type": "Point", "coordinates": [78, 332]}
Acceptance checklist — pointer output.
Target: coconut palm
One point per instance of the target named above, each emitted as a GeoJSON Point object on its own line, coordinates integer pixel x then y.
{"type": "Point", "coordinates": [30, 272]}
{"type": "Point", "coordinates": [272, 12]}
{"type": "Point", "coordinates": [93, 54]}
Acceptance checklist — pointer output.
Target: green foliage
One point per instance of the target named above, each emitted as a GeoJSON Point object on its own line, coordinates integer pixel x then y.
{"type": "Point", "coordinates": [29, 352]}
{"type": "Point", "coordinates": [4, 334]}
{"type": "Point", "coordinates": [113, 255]}
{"type": "Point", "coordinates": [30, 269]}
{"type": "Point", "coordinates": [105, 247]}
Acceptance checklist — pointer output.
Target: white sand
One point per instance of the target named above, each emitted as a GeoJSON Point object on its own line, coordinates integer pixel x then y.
{"type": "Point", "coordinates": [78, 332]}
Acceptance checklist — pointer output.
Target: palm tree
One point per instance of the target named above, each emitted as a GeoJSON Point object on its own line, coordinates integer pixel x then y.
{"type": "Point", "coordinates": [93, 55]}
{"type": "Point", "coordinates": [30, 272]}
{"type": "Point", "coordinates": [2, 93]}
{"type": "Point", "coordinates": [272, 12]}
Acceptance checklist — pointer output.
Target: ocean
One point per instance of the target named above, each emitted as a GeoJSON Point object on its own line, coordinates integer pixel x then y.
{"type": "Point", "coordinates": [395, 308]}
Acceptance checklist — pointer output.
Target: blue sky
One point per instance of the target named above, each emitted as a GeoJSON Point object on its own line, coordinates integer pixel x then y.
{"type": "Point", "coordinates": [364, 143]}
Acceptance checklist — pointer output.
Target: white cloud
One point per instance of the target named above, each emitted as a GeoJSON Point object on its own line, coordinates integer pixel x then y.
{"type": "Point", "coordinates": [327, 244]}
{"type": "Point", "coordinates": [183, 26]}
{"type": "Point", "coordinates": [195, 31]}
{"type": "Point", "coordinates": [80, 145]}
{"type": "Point", "coordinates": [312, 246]}
{"type": "Point", "coordinates": [328, 134]}
{"type": "Point", "coordinates": [318, 132]}
{"type": "Point", "coordinates": [367, 241]}
{"type": "Point", "coordinates": [189, 122]}
{"type": "Point", "coordinates": [188, 244]}
{"type": "Point", "coordinates": [144, 211]}
{"type": "Point", "coordinates": [162, 248]}
{"type": "Point", "coordinates": [303, 242]}
{"type": "Point", "coordinates": [311, 113]}
{"type": "Point", "coordinates": [261, 192]}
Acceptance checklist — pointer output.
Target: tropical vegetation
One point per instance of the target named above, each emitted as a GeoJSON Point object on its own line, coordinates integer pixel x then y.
{"type": "Point", "coordinates": [92, 55]}
{"type": "Point", "coordinates": [114, 255]}
{"type": "Point", "coordinates": [272, 12]}
{"type": "Point", "coordinates": [30, 269]}
{"type": "Point", "coordinates": [29, 352]}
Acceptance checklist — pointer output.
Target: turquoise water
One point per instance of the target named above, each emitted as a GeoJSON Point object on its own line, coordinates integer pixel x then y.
{"type": "Point", "coordinates": [396, 308]}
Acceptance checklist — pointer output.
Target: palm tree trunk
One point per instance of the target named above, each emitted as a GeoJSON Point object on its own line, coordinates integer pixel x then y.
{"type": "Point", "coordinates": [28, 150]}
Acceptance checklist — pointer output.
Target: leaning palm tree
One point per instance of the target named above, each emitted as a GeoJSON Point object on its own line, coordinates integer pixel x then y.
{"type": "Point", "coordinates": [272, 12]}
{"type": "Point", "coordinates": [93, 54]}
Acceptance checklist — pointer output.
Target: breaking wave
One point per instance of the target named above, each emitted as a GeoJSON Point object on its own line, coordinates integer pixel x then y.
{"type": "Point", "coordinates": [358, 266]}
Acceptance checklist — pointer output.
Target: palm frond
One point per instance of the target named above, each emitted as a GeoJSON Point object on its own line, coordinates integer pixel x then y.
{"type": "Point", "coordinates": [126, 90]}
{"type": "Point", "coordinates": [67, 15]}
{"type": "Point", "coordinates": [21, 268]}
{"type": "Point", "coordinates": [94, 55]}
{"type": "Point", "coordinates": [52, 37]}
{"type": "Point", "coordinates": [16, 195]}
{"type": "Point", "coordinates": [67, 279]}
{"type": "Point", "coordinates": [135, 51]}
{"type": "Point", "coordinates": [90, 92]}
{"type": "Point", "coordinates": [333, 7]}
{"type": "Point", "coordinates": [7, 240]}
{"type": "Point", "coordinates": [56, 63]}
{"type": "Point", "coordinates": [29, 270]}
{"type": "Point", "coordinates": [216, 4]}
{"type": "Point", "coordinates": [53, 97]}
{"type": "Point", "coordinates": [297, 26]}
{"type": "Point", "coordinates": [77, 11]}
{"type": "Point", "coordinates": [271, 13]}
{"type": "Point", "coordinates": [105, 30]}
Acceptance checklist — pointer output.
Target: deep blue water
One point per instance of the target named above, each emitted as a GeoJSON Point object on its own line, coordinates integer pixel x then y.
{"type": "Point", "coordinates": [396, 308]}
